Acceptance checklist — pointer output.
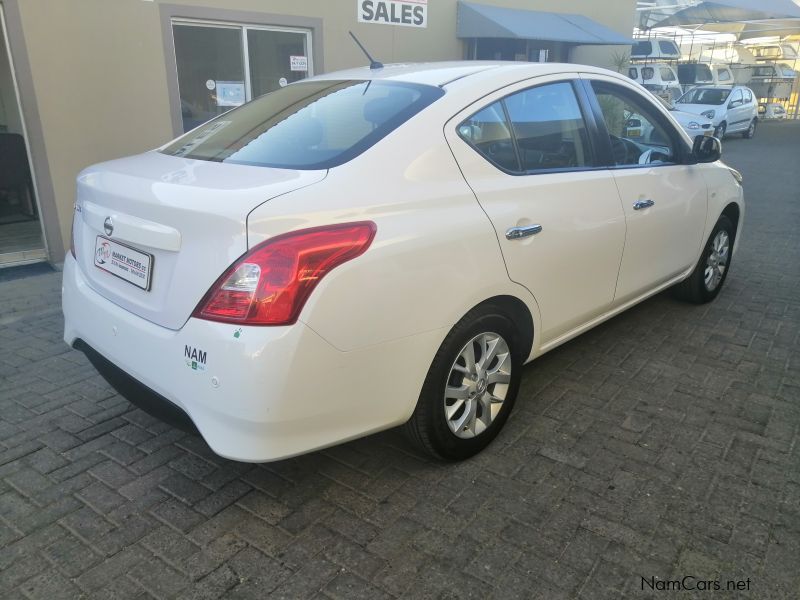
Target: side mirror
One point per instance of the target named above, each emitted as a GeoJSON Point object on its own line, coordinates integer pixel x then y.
{"type": "Point", "coordinates": [706, 149]}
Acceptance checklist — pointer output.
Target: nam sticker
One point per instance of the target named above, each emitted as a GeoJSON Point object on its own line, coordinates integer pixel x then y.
{"type": "Point", "coordinates": [195, 358]}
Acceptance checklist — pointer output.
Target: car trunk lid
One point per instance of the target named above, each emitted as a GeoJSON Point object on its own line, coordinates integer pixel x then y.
{"type": "Point", "coordinates": [180, 222]}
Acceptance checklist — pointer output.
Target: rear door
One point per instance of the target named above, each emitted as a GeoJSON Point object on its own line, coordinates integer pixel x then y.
{"type": "Point", "coordinates": [664, 200]}
{"type": "Point", "coordinates": [527, 154]}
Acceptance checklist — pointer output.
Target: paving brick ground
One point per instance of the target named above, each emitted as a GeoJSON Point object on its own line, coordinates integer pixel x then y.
{"type": "Point", "coordinates": [662, 444]}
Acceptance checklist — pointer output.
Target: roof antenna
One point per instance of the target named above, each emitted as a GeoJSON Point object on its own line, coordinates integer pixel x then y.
{"type": "Point", "coordinates": [373, 64]}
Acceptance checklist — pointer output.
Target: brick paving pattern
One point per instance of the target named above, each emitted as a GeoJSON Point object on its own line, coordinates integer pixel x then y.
{"type": "Point", "coordinates": [661, 444]}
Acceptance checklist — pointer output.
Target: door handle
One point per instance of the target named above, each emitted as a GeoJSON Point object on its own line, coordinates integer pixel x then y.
{"type": "Point", "coordinates": [516, 233]}
{"type": "Point", "coordinates": [640, 204]}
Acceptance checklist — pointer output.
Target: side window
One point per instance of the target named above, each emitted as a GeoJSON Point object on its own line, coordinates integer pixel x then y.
{"type": "Point", "coordinates": [633, 73]}
{"type": "Point", "coordinates": [647, 73]}
{"type": "Point", "coordinates": [736, 99]}
{"type": "Point", "coordinates": [636, 131]}
{"type": "Point", "coordinates": [723, 75]}
{"type": "Point", "coordinates": [667, 74]}
{"type": "Point", "coordinates": [549, 128]}
{"type": "Point", "coordinates": [748, 97]}
{"type": "Point", "coordinates": [487, 131]}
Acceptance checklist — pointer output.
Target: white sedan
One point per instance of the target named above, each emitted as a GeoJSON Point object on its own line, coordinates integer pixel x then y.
{"type": "Point", "coordinates": [373, 248]}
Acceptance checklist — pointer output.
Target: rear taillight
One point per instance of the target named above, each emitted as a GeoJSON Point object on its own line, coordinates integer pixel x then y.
{"type": "Point", "coordinates": [270, 284]}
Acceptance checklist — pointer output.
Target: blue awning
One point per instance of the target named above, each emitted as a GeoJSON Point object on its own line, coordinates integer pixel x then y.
{"type": "Point", "coordinates": [482, 21]}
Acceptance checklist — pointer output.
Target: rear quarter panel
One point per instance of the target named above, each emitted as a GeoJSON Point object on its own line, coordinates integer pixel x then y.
{"type": "Point", "coordinates": [435, 254]}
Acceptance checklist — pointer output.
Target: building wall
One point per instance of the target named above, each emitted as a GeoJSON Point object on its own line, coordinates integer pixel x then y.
{"type": "Point", "coordinates": [99, 68]}
{"type": "Point", "coordinates": [9, 112]}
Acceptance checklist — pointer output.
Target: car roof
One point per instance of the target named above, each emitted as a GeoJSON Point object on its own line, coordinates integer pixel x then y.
{"type": "Point", "coordinates": [444, 73]}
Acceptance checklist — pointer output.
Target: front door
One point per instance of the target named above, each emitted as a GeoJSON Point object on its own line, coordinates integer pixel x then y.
{"type": "Point", "coordinates": [526, 153]}
{"type": "Point", "coordinates": [665, 202]}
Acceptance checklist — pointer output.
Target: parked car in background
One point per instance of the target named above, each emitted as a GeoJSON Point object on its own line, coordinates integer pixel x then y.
{"type": "Point", "coordinates": [640, 129]}
{"type": "Point", "coordinates": [655, 49]}
{"type": "Point", "coordinates": [771, 110]}
{"type": "Point", "coordinates": [379, 247]}
{"type": "Point", "coordinates": [659, 78]}
{"type": "Point", "coordinates": [731, 109]}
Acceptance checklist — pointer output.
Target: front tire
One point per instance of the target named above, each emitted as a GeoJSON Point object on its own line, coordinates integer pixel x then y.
{"type": "Point", "coordinates": [719, 132]}
{"type": "Point", "coordinates": [711, 271]}
{"type": "Point", "coordinates": [470, 388]}
{"type": "Point", "coordinates": [751, 130]}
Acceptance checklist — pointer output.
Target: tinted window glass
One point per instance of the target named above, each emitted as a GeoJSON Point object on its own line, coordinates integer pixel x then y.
{"type": "Point", "coordinates": [549, 128]}
{"type": "Point", "coordinates": [487, 131]}
{"type": "Point", "coordinates": [723, 75]}
{"type": "Point", "coordinates": [637, 135]}
{"type": "Point", "coordinates": [705, 96]}
{"type": "Point", "coordinates": [703, 73]}
{"type": "Point", "coordinates": [667, 74]}
{"type": "Point", "coordinates": [633, 73]}
{"type": "Point", "coordinates": [307, 125]}
{"type": "Point", "coordinates": [642, 49]}
{"type": "Point", "coordinates": [647, 73]}
{"type": "Point", "coordinates": [667, 47]}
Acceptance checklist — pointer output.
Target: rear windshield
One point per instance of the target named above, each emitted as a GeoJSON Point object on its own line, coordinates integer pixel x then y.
{"type": "Point", "coordinates": [306, 125]}
{"type": "Point", "coordinates": [704, 96]}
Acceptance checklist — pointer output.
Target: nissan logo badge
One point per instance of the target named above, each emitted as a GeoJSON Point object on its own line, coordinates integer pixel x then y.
{"type": "Point", "coordinates": [108, 226]}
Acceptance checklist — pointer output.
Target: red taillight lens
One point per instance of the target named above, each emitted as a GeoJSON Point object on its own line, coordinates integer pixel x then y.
{"type": "Point", "coordinates": [270, 284]}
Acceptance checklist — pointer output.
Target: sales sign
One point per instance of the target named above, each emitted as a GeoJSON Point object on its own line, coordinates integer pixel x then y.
{"type": "Point", "coordinates": [408, 13]}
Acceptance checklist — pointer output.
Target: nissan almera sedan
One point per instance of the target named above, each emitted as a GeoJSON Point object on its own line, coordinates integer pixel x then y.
{"type": "Point", "coordinates": [375, 248]}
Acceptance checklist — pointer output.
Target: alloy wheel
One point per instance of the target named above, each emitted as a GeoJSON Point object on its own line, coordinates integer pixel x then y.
{"type": "Point", "coordinates": [477, 385]}
{"type": "Point", "coordinates": [717, 260]}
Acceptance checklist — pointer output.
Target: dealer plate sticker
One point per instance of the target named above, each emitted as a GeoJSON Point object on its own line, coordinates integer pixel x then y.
{"type": "Point", "coordinates": [124, 262]}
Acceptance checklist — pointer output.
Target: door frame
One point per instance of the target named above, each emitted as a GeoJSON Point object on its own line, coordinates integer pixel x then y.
{"type": "Point", "coordinates": [196, 15]}
{"type": "Point", "coordinates": [32, 133]}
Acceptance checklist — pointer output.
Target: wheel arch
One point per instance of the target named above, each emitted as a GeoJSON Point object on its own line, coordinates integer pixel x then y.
{"type": "Point", "coordinates": [519, 313]}
{"type": "Point", "coordinates": [733, 212]}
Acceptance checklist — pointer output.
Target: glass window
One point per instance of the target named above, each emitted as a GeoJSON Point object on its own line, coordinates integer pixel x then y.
{"type": "Point", "coordinates": [748, 96]}
{"type": "Point", "coordinates": [667, 47]}
{"type": "Point", "coordinates": [737, 97]}
{"type": "Point", "coordinates": [705, 96]}
{"type": "Point", "coordinates": [271, 59]}
{"type": "Point", "coordinates": [637, 135]}
{"type": "Point", "coordinates": [307, 125]}
{"type": "Point", "coordinates": [203, 55]}
{"type": "Point", "coordinates": [647, 73]}
{"type": "Point", "coordinates": [487, 131]}
{"type": "Point", "coordinates": [667, 74]}
{"type": "Point", "coordinates": [703, 73]}
{"type": "Point", "coordinates": [548, 127]}
{"type": "Point", "coordinates": [642, 49]}
{"type": "Point", "coordinates": [633, 73]}
{"type": "Point", "coordinates": [212, 76]}
{"type": "Point", "coordinates": [723, 75]}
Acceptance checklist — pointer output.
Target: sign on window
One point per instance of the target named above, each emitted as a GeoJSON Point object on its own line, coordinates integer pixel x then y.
{"type": "Point", "coordinates": [407, 13]}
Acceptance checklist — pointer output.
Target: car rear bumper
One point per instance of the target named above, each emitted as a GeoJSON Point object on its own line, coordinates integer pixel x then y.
{"type": "Point", "coordinates": [254, 393]}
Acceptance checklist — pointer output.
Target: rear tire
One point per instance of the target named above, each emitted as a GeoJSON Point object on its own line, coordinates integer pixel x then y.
{"type": "Point", "coordinates": [463, 406]}
{"type": "Point", "coordinates": [751, 130]}
{"type": "Point", "coordinates": [711, 271]}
